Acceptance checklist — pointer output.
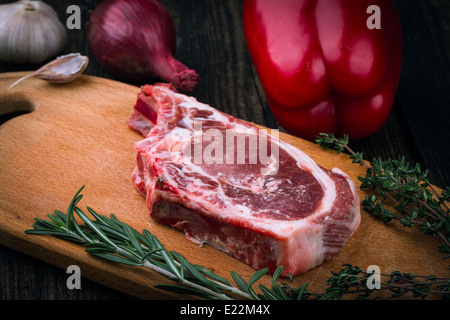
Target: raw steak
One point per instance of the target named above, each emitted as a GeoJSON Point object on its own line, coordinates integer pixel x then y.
{"type": "Point", "coordinates": [280, 209]}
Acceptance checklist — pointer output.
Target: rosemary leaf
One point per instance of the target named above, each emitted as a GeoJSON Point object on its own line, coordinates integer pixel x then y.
{"type": "Point", "coordinates": [167, 256]}
{"type": "Point", "coordinates": [56, 218]}
{"type": "Point", "coordinates": [131, 234]}
{"type": "Point", "coordinates": [92, 226]}
{"type": "Point", "coordinates": [278, 290]}
{"type": "Point", "coordinates": [111, 257]}
{"type": "Point", "coordinates": [70, 210]}
{"type": "Point", "coordinates": [277, 274]}
{"type": "Point", "coordinates": [194, 271]}
{"type": "Point", "coordinates": [212, 275]}
{"type": "Point", "coordinates": [256, 276]}
{"type": "Point", "coordinates": [302, 291]}
{"type": "Point", "coordinates": [239, 281]}
{"type": "Point", "coordinates": [149, 254]}
{"type": "Point", "coordinates": [56, 233]}
{"type": "Point", "coordinates": [267, 294]}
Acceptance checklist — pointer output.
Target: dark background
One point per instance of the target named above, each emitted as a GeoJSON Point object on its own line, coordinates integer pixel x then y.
{"type": "Point", "coordinates": [210, 40]}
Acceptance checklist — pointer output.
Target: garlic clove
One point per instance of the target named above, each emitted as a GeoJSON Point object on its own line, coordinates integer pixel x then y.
{"type": "Point", "coordinates": [63, 69]}
{"type": "Point", "coordinates": [30, 32]}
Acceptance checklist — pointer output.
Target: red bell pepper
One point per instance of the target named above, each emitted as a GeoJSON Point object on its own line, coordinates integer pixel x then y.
{"type": "Point", "coordinates": [324, 65]}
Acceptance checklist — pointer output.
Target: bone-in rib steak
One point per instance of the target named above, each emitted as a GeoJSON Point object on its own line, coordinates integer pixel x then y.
{"type": "Point", "coordinates": [270, 208]}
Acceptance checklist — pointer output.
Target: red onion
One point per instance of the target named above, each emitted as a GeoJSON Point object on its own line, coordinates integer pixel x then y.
{"type": "Point", "coordinates": [134, 40]}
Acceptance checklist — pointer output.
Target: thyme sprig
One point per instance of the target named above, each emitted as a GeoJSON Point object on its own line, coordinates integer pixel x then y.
{"type": "Point", "coordinates": [113, 240]}
{"type": "Point", "coordinates": [407, 187]}
{"type": "Point", "coordinates": [352, 280]}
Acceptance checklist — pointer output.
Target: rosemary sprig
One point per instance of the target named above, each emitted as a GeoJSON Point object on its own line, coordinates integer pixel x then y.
{"type": "Point", "coordinates": [113, 240]}
{"type": "Point", "coordinates": [415, 201]}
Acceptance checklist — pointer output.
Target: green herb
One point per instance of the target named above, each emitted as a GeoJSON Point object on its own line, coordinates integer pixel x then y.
{"type": "Point", "coordinates": [351, 280]}
{"type": "Point", "coordinates": [113, 240]}
{"type": "Point", "coordinates": [405, 187]}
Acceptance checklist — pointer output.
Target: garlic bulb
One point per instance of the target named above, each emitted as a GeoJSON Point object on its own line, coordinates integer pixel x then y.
{"type": "Point", "coordinates": [30, 32]}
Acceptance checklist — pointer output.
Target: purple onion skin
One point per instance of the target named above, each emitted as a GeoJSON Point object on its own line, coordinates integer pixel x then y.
{"type": "Point", "coordinates": [135, 40]}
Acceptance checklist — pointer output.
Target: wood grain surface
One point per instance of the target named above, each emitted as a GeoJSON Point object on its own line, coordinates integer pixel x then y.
{"type": "Point", "coordinates": [76, 134]}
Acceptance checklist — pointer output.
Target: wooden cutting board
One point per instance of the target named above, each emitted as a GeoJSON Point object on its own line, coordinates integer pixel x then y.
{"type": "Point", "coordinates": [76, 134]}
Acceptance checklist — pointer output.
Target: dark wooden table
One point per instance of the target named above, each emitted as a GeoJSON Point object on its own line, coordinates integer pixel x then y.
{"type": "Point", "coordinates": [211, 41]}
